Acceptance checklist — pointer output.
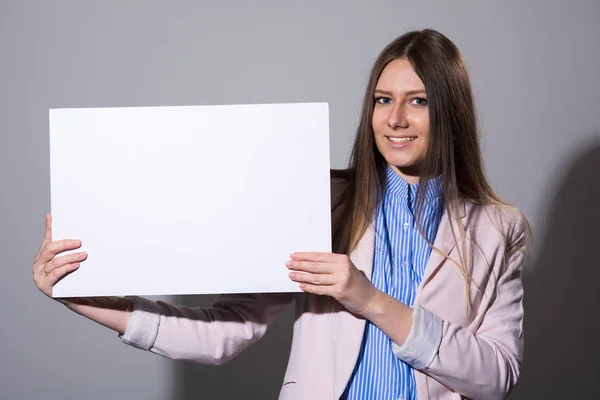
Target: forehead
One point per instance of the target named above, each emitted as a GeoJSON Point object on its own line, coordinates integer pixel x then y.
{"type": "Point", "coordinates": [399, 76]}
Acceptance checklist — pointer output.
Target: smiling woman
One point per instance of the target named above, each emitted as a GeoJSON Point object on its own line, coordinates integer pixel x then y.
{"type": "Point", "coordinates": [401, 119]}
{"type": "Point", "coordinates": [415, 225]}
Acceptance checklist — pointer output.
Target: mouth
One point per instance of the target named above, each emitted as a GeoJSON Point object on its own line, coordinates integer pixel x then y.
{"type": "Point", "coordinates": [401, 139]}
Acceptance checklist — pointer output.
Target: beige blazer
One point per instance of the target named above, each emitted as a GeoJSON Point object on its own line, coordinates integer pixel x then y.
{"type": "Point", "coordinates": [455, 354]}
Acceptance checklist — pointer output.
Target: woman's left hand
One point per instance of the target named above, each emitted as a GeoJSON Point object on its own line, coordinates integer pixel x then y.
{"type": "Point", "coordinates": [333, 275]}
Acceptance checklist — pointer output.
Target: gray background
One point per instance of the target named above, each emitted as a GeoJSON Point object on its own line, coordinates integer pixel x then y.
{"type": "Point", "coordinates": [534, 67]}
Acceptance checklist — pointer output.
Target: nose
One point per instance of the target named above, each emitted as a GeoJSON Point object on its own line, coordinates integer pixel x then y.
{"type": "Point", "coordinates": [397, 118]}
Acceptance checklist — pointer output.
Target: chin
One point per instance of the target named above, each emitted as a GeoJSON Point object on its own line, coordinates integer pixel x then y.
{"type": "Point", "coordinates": [400, 162]}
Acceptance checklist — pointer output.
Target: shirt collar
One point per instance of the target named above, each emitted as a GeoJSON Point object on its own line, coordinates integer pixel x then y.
{"type": "Point", "coordinates": [398, 187]}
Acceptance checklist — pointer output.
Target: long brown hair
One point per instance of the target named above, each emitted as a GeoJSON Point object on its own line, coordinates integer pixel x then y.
{"type": "Point", "coordinates": [453, 149]}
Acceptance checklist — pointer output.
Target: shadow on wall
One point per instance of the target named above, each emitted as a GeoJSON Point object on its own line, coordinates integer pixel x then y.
{"type": "Point", "coordinates": [257, 373]}
{"type": "Point", "coordinates": [562, 295]}
{"type": "Point", "coordinates": [562, 308]}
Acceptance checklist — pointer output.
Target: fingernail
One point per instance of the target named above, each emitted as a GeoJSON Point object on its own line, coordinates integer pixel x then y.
{"type": "Point", "coordinates": [82, 255]}
{"type": "Point", "coordinates": [75, 241]}
{"type": "Point", "coordinates": [288, 263]}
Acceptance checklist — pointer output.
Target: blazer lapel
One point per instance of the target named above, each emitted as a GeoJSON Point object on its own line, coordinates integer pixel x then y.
{"type": "Point", "coordinates": [362, 256]}
{"type": "Point", "coordinates": [444, 243]}
{"type": "Point", "coordinates": [350, 328]}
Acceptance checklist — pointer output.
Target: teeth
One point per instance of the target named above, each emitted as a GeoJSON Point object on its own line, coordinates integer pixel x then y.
{"type": "Point", "coordinates": [401, 139]}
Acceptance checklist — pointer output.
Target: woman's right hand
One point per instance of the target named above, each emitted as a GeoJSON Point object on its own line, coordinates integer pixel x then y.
{"type": "Point", "coordinates": [47, 267]}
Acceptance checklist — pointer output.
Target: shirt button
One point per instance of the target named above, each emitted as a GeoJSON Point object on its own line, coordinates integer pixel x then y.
{"type": "Point", "coordinates": [404, 264]}
{"type": "Point", "coordinates": [401, 398]}
{"type": "Point", "coordinates": [406, 225]}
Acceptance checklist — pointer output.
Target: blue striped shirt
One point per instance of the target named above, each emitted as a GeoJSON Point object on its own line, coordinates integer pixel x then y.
{"type": "Point", "coordinates": [401, 254]}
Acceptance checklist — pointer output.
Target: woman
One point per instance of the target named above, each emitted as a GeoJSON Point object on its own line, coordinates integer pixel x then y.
{"type": "Point", "coordinates": [423, 295]}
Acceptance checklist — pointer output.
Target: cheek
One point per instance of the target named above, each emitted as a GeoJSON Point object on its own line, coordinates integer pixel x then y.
{"type": "Point", "coordinates": [425, 134]}
{"type": "Point", "coordinates": [378, 125]}
{"type": "Point", "coordinates": [421, 123]}
{"type": "Point", "coordinates": [376, 122]}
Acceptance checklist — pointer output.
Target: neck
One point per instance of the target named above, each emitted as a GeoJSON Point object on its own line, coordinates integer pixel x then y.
{"type": "Point", "coordinates": [409, 174]}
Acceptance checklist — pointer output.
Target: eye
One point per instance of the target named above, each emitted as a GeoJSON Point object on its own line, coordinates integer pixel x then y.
{"type": "Point", "coordinates": [382, 100]}
{"type": "Point", "coordinates": [419, 101]}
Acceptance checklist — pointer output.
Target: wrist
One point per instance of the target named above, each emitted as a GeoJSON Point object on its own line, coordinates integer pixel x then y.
{"type": "Point", "coordinates": [70, 303]}
{"type": "Point", "coordinates": [374, 308]}
{"type": "Point", "coordinates": [111, 303]}
{"type": "Point", "coordinates": [393, 317]}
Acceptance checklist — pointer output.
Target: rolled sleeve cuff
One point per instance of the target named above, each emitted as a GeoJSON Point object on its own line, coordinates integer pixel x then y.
{"type": "Point", "coordinates": [142, 327]}
{"type": "Point", "coordinates": [423, 340]}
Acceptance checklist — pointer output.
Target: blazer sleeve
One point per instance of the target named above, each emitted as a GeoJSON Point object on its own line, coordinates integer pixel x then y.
{"type": "Point", "coordinates": [210, 336]}
{"type": "Point", "coordinates": [484, 364]}
{"type": "Point", "coordinates": [217, 334]}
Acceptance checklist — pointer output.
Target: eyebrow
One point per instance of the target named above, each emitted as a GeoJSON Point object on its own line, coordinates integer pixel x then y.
{"type": "Point", "coordinates": [409, 93]}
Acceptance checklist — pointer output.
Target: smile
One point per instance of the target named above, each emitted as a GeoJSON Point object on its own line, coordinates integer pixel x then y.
{"type": "Point", "coordinates": [401, 139]}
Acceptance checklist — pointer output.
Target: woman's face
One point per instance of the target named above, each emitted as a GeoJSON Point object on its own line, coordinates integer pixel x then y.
{"type": "Point", "coordinates": [401, 119]}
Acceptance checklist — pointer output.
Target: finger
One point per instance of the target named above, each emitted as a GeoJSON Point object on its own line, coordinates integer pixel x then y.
{"type": "Point", "coordinates": [60, 273]}
{"type": "Point", "coordinates": [47, 237]}
{"type": "Point", "coordinates": [316, 289]}
{"type": "Point", "coordinates": [45, 283]}
{"type": "Point", "coordinates": [57, 247]}
{"type": "Point", "coordinates": [310, 266]}
{"type": "Point", "coordinates": [314, 279]}
{"type": "Point", "coordinates": [64, 260]}
{"type": "Point", "coordinates": [315, 256]}
{"type": "Point", "coordinates": [48, 234]}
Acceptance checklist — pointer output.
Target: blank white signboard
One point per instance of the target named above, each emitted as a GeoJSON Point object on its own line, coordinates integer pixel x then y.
{"type": "Point", "coordinates": [191, 199]}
